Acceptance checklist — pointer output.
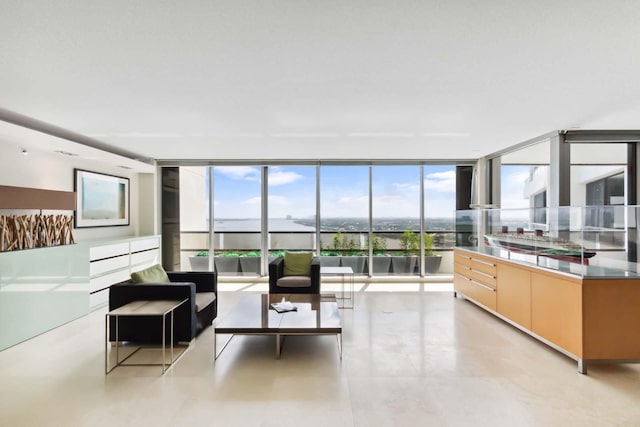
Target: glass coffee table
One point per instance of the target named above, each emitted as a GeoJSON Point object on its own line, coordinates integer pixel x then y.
{"type": "Point", "coordinates": [347, 299]}
{"type": "Point", "coordinates": [253, 315]}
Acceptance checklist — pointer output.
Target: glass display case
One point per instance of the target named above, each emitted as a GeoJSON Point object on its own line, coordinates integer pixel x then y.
{"type": "Point", "coordinates": [590, 241]}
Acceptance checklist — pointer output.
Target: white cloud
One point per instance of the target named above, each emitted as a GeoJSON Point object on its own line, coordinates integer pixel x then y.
{"type": "Point", "coordinates": [441, 182]}
{"type": "Point", "coordinates": [280, 177]}
{"type": "Point", "coordinates": [442, 175]}
{"type": "Point", "coordinates": [253, 201]}
{"type": "Point", "coordinates": [247, 173]}
{"type": "Point", "coordinates": [278, 200]}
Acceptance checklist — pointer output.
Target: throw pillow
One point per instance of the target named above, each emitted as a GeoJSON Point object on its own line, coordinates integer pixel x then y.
{"type": "Point", "coordinates": [154, 274]}
{"type": "Point", "coordinates": [297, 263]}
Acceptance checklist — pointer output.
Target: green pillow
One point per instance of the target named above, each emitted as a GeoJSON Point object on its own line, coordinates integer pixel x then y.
{"type": "Point", "coordinates": [154, 274]}
{"type": "Point", "coordinates": [297, 263]}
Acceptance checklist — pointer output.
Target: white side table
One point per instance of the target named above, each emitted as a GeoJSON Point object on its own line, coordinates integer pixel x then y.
{"type": "Point", "coordinates": [159, 308]}
{"type": "Point", "coordinates": [347, 299]}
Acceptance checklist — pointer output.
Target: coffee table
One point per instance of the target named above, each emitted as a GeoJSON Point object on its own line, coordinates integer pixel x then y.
{"type": "Point", "coordinates": [253, 315]}
{"type": "Point", "coordinates": [344, 272]}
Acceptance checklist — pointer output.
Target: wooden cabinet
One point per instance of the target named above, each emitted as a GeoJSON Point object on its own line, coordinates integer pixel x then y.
{"type": "Point", "coordinates": [514, 296]}
{"type": "Point", "coordinates": [556, 311]}
{"type": "Point", "coordinates": [586, 318]}
{"type": "Point", "coordinates": [475, 276]}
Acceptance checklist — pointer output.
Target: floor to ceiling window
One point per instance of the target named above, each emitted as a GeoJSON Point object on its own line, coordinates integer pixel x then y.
{"type": "Point", "coordinates": [439, 206]}
{"type": "Point", "coordinates": [599, 181]}
{"type": "Point", "coordinates": [237, 219]}
{"type": "Point", "coordinates": [292, 208]}
{"type": "Point", "coordinates": [524, 180]}
{"type": "Point", "coordinates": [246, 226]}
{"type": "Point", "coordinates": [395, 220]}
{"type": "Point", "coordinates": [344, 216]}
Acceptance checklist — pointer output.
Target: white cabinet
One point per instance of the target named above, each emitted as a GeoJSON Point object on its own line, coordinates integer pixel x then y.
{"type": "Point", "coordinates": [113, 262]}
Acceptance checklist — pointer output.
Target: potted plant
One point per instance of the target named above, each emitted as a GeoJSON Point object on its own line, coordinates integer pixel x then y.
{"type": "Point", "coordinates": [351, 254]}
{"type": "Point", "coordinates": [410, 247]}
{"type": "Point", "coordinates": [329, 259]}
{"type": "Point", "coordinates": [356, 260]}
{"type": "Point", "coordinates": [250, 262]}
{"type": "Point", "coordinates": [381, 262]}
{"type": "Point", "coordinates": [227, 262]}
{"type": "Point", "coordinates": [200, 261]}
{"type": "Point", "coordinates": [431, 259]}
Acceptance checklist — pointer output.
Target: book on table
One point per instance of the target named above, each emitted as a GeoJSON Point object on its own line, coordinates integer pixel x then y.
{"type": "Point", "coordinates": [284, 306]}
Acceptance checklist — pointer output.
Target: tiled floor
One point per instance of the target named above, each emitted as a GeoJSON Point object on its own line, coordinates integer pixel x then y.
{"type": "Point", "coordinates": [411, 358]}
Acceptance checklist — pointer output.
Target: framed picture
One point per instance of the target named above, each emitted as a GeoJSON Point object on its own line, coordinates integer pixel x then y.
{"type": "Point", "coordinates": [101, 200]}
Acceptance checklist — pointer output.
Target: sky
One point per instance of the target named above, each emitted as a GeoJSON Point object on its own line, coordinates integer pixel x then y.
{"type": "Point", "coordinates": [344, 191]}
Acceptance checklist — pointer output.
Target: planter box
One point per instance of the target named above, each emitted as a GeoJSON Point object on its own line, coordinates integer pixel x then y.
{"type": "Point", "coordinates": [330, 261]}
{"type": "Point", "coordinates": [357, 263]}
{"type": "Point", "coordinates": [250, 264]}
{"type": "Point", "coordinates": [199, 263]}
{"type": "Point", "coordinates": [405, 264]}
{"type": "Point", "coordinates": [381, 264]}
{"type": "Point", "coordinates": [432, 264]}
{"type": "Point", "coordinates": [227, 264]}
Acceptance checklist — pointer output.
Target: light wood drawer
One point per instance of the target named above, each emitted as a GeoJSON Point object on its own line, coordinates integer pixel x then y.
{"type": "Point", "coordinates": [475, 290]}
{"type": "Point", "coordinates": [465, 270]}
{"type": "Point", "coordinates": [484, 278]}
{"type": "Point", "coordinates": [463, 260]}
{"type": "Point", "coordinates": [485, 265]}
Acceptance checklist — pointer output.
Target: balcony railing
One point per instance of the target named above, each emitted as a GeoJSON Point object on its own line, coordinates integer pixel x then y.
{"type": "Point", "coordinates": [239, 253]}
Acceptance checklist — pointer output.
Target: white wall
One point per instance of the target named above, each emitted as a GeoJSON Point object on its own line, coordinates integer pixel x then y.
{"type": "Point", "coordinates": [193, 199]}
{"type": "Point", "coordinates": [52, 171]}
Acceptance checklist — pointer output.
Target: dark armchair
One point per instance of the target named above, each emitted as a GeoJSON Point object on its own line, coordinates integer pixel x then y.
{"type": "Point", "coordinates": [199, 288]}
{"type": "Point", "coordinates": [280, 283]}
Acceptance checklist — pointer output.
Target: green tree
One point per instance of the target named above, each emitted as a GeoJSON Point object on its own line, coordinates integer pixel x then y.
{"type": "Point", "coordinates": [410, 243]}
{"type": "Point", "coordinates": [428, 244]}
{"type": "Point", "coordinates": [342, 243]}
{"type": "Point", "coordinates": [379, 245]}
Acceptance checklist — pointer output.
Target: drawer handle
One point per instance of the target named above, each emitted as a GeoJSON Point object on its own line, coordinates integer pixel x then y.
{"type": "Point", "coordinates": [464, 267]}
{"type": "Point", "coordinates": [484, 262]}
{"type": "Point", "coordinates": [489, 288]}
{"type": "Point", "coordinates": [485, 274]}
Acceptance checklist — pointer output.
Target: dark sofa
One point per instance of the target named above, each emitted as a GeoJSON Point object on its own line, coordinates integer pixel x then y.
{"type": "Point", "coordinates": [201, 290]}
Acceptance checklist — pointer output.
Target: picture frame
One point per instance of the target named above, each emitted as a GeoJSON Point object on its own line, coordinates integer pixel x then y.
{"type": "Point", "coordinates": [102, 200]}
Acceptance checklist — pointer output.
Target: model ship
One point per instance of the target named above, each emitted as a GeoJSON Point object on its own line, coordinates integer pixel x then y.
{"type": "Point", "coordinates": [539, 244]}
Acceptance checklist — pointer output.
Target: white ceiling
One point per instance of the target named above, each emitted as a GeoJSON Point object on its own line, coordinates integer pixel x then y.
{"type": "Point", "coordinates": [300, 79]}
